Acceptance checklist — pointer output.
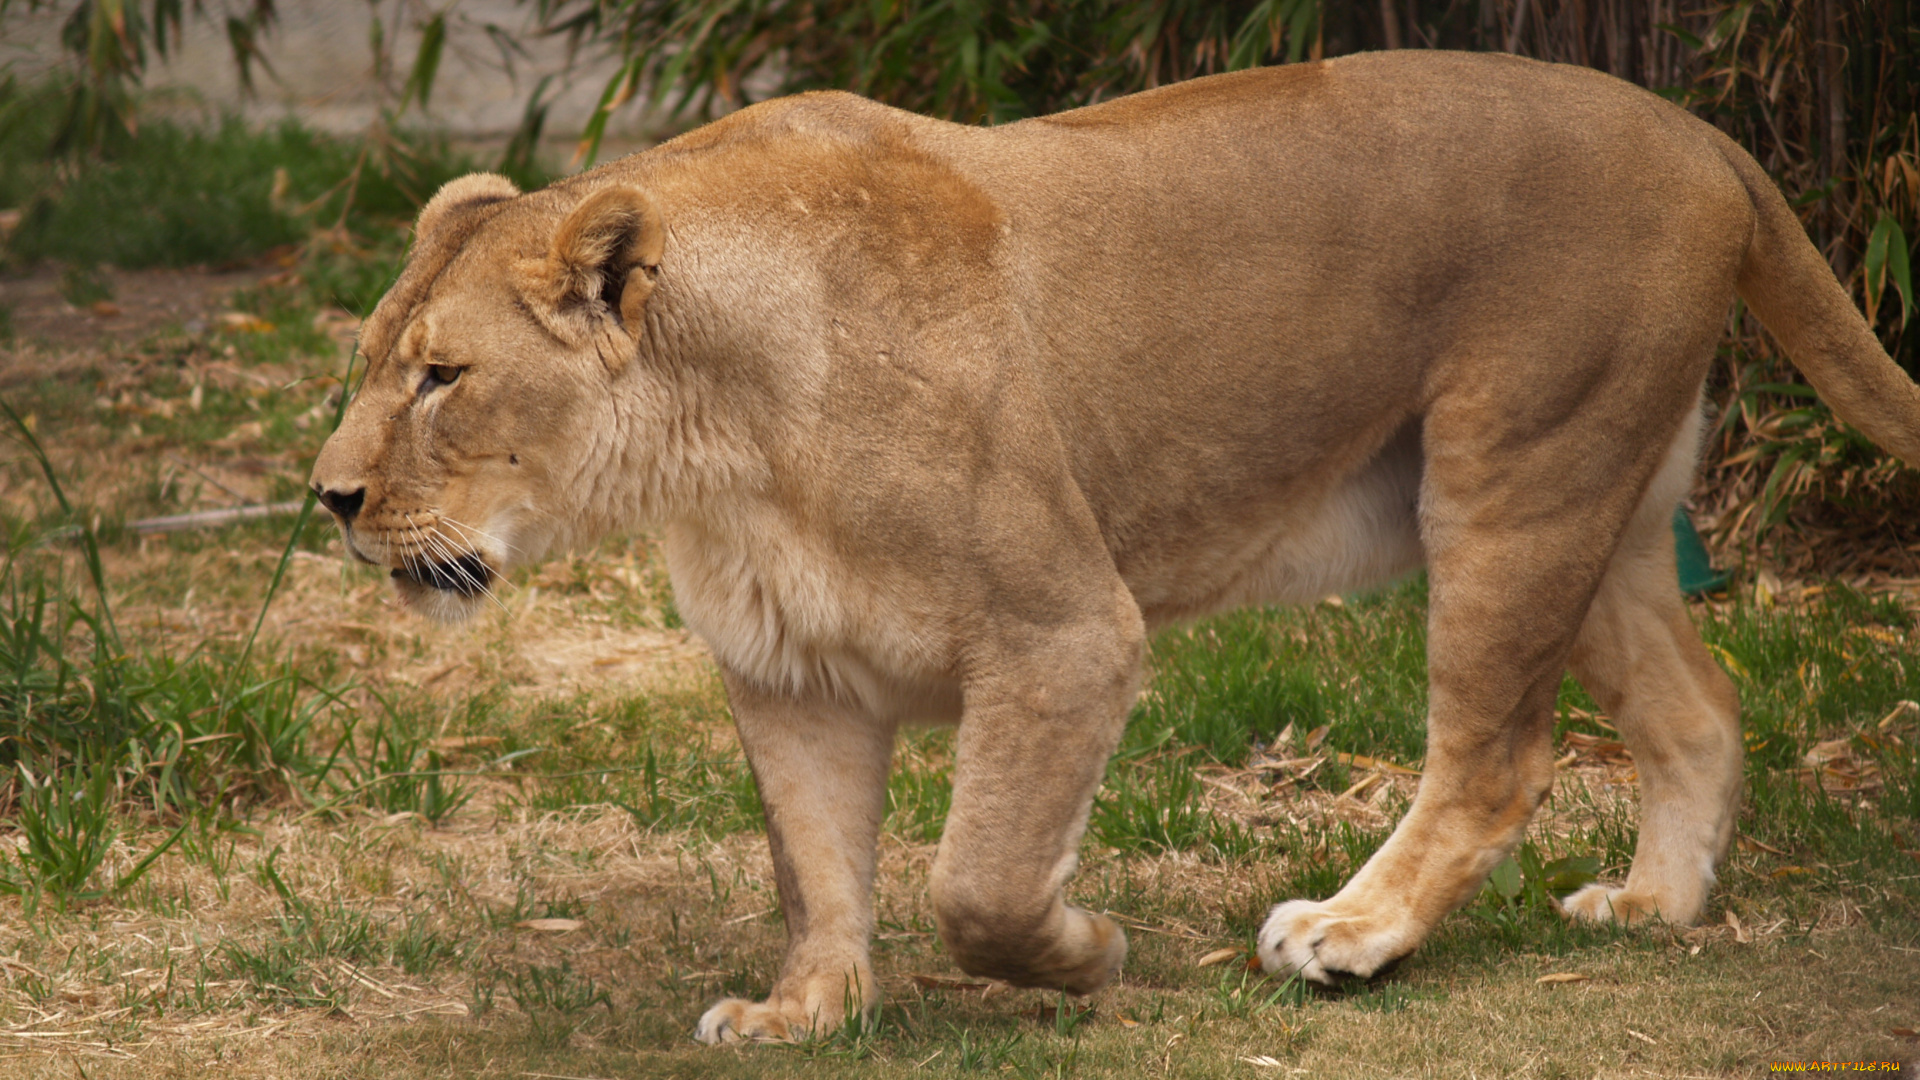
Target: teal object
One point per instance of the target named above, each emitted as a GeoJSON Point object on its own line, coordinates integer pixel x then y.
{"type": "Point", "coordinates": [1697, 574]}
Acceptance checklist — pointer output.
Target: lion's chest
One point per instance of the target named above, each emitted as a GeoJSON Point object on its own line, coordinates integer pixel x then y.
{"type": "Point", "coordinates": [781, 608]}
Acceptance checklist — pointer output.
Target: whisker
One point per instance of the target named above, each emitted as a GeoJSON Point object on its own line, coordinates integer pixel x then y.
{"type": "Point", "coordinates": [439, 562]}
{"type": "Point", "coordinates": [466, 530]}
{"type": "Point", "coordinates": [456, 563]}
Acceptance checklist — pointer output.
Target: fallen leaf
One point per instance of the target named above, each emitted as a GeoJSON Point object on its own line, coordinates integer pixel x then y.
{"type": "Point", "coordinates": [251, 431]}
{"type": "Point", "coordinates": [1561, 977]}
{"type": "Point", "coordinates": [468, 742]}
{"type": "Point", "coordinates": [1878, 633]}
{"type": "Point", "coordinates": [1830, 750]}
{"type": "Point", "coordinates": [1362, 761]}
{"type": "Point", "coordinates": [1726, 660]}
{"type": "Point", "coordinates": [949, 982]}
{"type": "Point", "coordinates": [1906, 710]}
{"type": "Point", "coordinates": [1217, 956]}
{"type": "Point", "coordinates": [1903, 1033]}
{"type": "Point", "coordinates": [1789, 871]}
{"type": "Point", "coordinates": [1610, 750]}
{"type": "Point", "coordinates": [105, 309]}
{"type": "Point", "coordinates": [1361, 785]}
{"type": "Point", "coordinates": [1739, 932]}
{"type": "Point", "coordinates": [239, 322]}
{"type": "Point", "coordinates": [1748, 843]}
{"type": "Point", "coordinates": [1125, 1020]}
{"type": "Point", "coordinates": [550, 926]}
{"type": "Point", "coordinates": [1262, 1061]}
{"type": "Point", "coordinates": [1648, 1039]}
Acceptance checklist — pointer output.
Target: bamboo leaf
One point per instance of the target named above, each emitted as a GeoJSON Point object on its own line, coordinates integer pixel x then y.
{"type": "Point", "coordinates": [1301, 28]}
{"type": "Point", "coordinates": [1899, 269]}
{"type": "Point", "coordinates": [1690, 40]}
{"type": "Point", "coordinates": [426, 62]}
{"type": "Point", "coordinates": [1505, 878]}
{"type": "Point", "coordinates": [1875, 264]}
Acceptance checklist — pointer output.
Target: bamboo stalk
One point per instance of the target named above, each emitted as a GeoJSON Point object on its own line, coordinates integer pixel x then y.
{"type": "Point", "coordinates": [207, 519]}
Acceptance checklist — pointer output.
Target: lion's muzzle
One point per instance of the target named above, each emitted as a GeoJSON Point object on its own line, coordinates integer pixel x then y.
{"type": "Point", "coordinates": [467, 576]}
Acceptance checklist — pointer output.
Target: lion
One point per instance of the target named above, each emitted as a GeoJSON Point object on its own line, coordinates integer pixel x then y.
{"type": "Point", "coordinates": [937, 422]}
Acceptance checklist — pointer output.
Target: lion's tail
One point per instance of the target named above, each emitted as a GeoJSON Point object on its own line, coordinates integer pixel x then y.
{"type": "Point", "coordinates": [1793, 291]}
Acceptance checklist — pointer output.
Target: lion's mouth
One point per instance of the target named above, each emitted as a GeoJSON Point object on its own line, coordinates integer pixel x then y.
{"type": "Point", "coordinates": [467, 575]}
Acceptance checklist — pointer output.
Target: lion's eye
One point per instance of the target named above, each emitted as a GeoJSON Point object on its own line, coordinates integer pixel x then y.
{"type": "Point", "coordinates": [441, 375]}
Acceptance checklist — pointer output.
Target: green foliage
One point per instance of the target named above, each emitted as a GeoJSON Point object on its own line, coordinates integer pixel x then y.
{"type": "Point", "coordinates": [1524, 879]}
{"type": "Point", "coordinates": [1242, 995]}
{"type": "Point", "coordinates": [918, 798]}
{"type": "Point", "coordinates": [180, 196]}
{"type": "Point", "coordinates": [1230, 683]}
{"type": "Point", "coordinates": [694, 790]}
{"type": "Point", "coordinates": [554, 997]}
{"type": "Point", "coordinates": [967, 61]}
{"type": "Point", "coordinates": [1887, 263]}
{"type": "Point", "coordinates": [108, 43]}
{"type": "Point", "coordinates": [82, 285]}
{"type": "Point", "coordinates": [1158, 807]}
{"type": "Point", "coordinates": [978, 1053]}
{"type": "Point", "coordinates": [69, 825]}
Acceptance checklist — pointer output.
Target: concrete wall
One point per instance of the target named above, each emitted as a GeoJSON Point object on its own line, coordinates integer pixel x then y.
{"type": "Point", "coordinates": [323, 72]}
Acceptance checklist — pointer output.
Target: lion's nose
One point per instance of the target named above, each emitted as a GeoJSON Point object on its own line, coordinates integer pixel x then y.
{"type": "Point", "coordinates": [343, 503]}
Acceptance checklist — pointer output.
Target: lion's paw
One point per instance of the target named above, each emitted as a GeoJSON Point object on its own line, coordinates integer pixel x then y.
{"type": "Point", "coordinates": [1316, 942]}
{"type": "Point", "coordinates": [1103, 946]}
{"type": "Point", "coordinates": [1600, 902]}
{"type": "Point", "coordinates": [740, 1020]}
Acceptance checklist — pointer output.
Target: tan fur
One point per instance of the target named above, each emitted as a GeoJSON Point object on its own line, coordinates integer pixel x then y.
{"type": "Point", "coordinates": [938, 421]}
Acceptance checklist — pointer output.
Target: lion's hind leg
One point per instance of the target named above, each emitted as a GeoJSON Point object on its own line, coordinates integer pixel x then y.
{"type": "Point", "coordinates": [1521, 512]}
{"type": "Point", "coordinates": [1638, 655]}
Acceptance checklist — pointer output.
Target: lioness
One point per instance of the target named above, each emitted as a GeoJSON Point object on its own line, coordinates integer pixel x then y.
{"type": "Point", "coordinates": [938, 421]}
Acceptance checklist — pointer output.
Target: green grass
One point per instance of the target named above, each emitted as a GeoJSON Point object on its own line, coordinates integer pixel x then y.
{"type": "Point", "coordinates": [184, 760]}
{"type": "Point", "coordinates": [1229, 685]}
{"type": "Point", "coordinates": [174, 194]}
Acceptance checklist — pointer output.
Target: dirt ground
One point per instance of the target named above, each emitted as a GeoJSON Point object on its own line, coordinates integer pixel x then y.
{"type": "Point", "coordinates": [143, 302]}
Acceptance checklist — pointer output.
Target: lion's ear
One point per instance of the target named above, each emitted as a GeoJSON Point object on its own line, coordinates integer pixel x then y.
{"type": "Point", "coordinates": [605, 252]}
{"type": "Point", "coordinates": [445, 223]}
{"type": "Point", "coordinates": [465, 193]}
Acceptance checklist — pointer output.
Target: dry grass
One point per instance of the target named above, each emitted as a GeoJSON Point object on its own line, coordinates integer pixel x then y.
{"type": "Point", "coordinates": [546, 929]}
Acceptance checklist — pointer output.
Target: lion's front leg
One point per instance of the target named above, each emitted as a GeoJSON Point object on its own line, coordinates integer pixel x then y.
{"type": "Point", "coordinates": [1033, 745]}
{"type": "Point", "coordinates": [822, 774]}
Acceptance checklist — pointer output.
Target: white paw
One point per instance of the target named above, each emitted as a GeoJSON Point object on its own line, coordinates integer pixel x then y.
{"type": "Point", "coordinates": [1316, 942]}
{"type": "Point", "coordinates": [1600, 902]}
{"type": "Point", "coordinates": [738, 1020]}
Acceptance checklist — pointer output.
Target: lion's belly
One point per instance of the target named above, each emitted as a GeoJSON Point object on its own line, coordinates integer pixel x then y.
{"type": "Point", "coordinates": [1362, 532]}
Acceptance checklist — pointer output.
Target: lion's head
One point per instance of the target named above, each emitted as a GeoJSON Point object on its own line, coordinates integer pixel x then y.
{"type": "Point", "coordinates": [488, 406]}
